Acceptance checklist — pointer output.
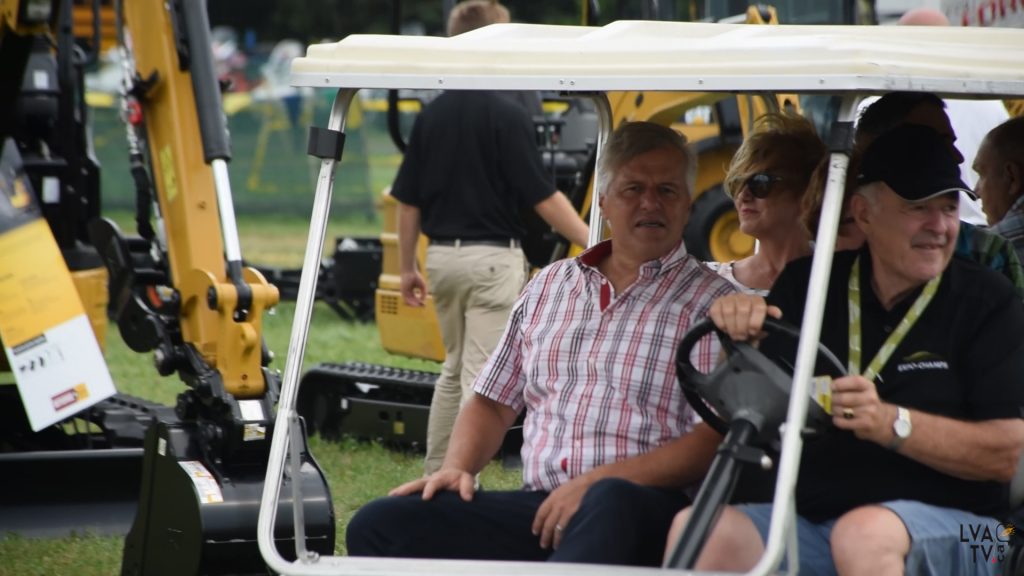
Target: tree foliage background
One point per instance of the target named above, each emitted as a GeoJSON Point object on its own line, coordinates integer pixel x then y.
{"type": "Point", "coordinates": [317, 20]}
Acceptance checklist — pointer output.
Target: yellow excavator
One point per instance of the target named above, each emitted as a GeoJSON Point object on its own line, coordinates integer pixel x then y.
{"type": "Point", "coordinates": [177, 289]}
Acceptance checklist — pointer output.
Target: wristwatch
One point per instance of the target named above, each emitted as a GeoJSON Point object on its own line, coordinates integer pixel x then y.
{"type": "Point", "coordinates": [901, 428]}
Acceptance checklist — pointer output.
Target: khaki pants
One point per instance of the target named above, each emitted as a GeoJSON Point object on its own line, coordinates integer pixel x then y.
{"type": "Point", "coordinates": [474, 288]}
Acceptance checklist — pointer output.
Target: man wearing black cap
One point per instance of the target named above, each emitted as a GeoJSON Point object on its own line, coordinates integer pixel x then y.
{"type": "Point", "coordinates": [913, 477]}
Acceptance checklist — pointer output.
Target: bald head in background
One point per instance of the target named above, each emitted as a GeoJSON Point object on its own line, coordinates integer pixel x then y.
{"type": "Point", "coordinates": [923, 17]}
{"type": "Point", "coordinates": [971, 119]}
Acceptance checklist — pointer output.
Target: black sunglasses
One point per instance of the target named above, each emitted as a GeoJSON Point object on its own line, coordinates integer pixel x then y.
{"type": "Point", "coordinates": [760, 184]}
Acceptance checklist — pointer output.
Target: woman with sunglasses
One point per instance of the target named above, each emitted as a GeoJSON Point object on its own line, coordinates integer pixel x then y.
{"type": "Point", "coordinates": [767, 179]}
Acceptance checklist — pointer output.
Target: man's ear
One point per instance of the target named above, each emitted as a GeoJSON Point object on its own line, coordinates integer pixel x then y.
{"type": "Point", "coordinates": [604, 219]}
{"type": "Point", "coordinates": [860, 209]}
{"type": "Point", "coordinates": [1014, 180]}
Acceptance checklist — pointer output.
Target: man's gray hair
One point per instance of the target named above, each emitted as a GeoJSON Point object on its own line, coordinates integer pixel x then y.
{"type": "Point", "coordinates": [632, 139]}
{"type": "Point", "coordinates": [871, 192]}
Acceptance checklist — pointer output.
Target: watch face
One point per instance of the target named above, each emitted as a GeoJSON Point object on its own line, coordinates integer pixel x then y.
{"type": "Point", "coordinates": [901, 428]}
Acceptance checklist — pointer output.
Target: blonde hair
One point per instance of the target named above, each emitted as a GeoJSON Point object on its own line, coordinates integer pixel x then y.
{"type": "Point", "coordinates": [473, 14]}
{"type": "Point", "coordinates": [788, 138]}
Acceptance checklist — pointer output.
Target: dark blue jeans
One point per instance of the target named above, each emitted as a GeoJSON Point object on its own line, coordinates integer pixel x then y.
{"type": "Point", "coordinates": [618, 522]}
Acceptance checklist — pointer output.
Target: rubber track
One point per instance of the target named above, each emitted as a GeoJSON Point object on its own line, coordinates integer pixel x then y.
{"type": "Point", "coordinates": [375, 374]}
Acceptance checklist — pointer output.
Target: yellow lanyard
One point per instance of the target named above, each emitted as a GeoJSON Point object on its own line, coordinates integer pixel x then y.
{"type": "Point", "coordinates": [897, 335]}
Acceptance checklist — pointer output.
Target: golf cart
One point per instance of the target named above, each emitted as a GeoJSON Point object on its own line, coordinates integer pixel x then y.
{"type": "Point", "coordinates": [845, 61]}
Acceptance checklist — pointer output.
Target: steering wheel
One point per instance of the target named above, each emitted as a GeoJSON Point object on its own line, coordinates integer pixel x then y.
{"type": "Point", "coordinates": [747, 385]}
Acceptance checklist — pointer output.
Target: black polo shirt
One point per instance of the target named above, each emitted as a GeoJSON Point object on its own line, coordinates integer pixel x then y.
{"type": "Point", "coordinates": [964, 358]}
{"type": "Point", "coordinates": [472, 165]}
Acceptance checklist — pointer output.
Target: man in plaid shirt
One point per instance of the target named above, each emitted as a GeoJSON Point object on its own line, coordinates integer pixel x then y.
{"type": "Point", "coordinates": [610, 445]}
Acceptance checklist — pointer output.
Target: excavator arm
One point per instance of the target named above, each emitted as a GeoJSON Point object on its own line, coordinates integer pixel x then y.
{"type": "Point", "coordinates": [172, 98]}
{"type": "Point", "coordinates": [181, 290]}
{"type": "Point", "coordinates": [178, 289]}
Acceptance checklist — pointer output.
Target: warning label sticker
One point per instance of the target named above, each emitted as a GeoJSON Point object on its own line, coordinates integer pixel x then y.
{"type": "Point", "coordinates": [206, 485]}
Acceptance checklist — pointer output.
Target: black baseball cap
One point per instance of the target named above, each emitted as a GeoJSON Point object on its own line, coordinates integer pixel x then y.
{"type": "Point", "coordinates": [914, 161]}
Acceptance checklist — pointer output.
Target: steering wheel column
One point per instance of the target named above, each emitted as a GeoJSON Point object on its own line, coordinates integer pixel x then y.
{"type": "Point", "coordinates": [745, 398]}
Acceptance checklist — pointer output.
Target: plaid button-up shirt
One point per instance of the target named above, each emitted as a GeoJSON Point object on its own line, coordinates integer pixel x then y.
{"type": "Point", "coordinates": [596, 370]}
{"type": "Point", "coordinates": [1011, 227]}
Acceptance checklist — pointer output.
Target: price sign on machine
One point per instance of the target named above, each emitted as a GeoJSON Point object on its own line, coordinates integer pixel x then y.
{"type": "Point", "coordinates": [48, 341]}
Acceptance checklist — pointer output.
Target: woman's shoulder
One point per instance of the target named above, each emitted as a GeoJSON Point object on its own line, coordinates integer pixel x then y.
{"type": "Point", "coordinates": [720, 268]}
{"type": "Point", "coordinates": [725, 270]}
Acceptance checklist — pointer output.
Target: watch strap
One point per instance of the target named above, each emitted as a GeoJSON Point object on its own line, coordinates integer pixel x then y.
{"type": "Point", "coordinates": [902, 415]}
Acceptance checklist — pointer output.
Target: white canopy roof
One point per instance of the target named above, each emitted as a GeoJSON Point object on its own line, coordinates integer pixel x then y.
{"type": "Point", "coordinates": [679, 56]}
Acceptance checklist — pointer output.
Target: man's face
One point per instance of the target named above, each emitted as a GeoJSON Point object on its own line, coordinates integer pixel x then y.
{"type": "Point", "coordinates": [910, 241]}
{"type": "Point", "coordinates": [993, 183]}
{"type": "Point", "coordinates": [934, 117]}
{"type": "Point", "coordinates": [647, 204]}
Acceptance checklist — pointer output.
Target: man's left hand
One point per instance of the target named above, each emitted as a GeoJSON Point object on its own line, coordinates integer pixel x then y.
{"type": "Point", "coordinates": [856, 407]}
{"type": "Point", "coordinates": [557, 509]}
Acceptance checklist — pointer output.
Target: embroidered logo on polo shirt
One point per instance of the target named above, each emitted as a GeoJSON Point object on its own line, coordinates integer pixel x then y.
{"type": "Point", "coordinates": [922, 361]}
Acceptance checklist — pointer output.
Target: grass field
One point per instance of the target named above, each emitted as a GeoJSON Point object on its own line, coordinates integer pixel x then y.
{"type": "Point", "coordinates": [356, 472]}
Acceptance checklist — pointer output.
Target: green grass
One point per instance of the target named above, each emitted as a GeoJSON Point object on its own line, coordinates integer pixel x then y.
{"type": "Point", "coordinates": [356, 471]}
{"type": "Point", "coordinates": [272, 240]}
{"type": "Point", "coordinates": [78, 556]}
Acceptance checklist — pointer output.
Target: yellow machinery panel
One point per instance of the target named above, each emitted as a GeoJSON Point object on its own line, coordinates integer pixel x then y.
{"type": "Point", "coordinates": [405, 330]}
{"type": "Point", "coordinates": [92, 289]}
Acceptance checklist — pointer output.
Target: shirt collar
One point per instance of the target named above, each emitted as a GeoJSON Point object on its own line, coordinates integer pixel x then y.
{"type": "Point", "coordinates": [866, 289]}
{"type": "Point", "coordinates": [595, 254]}
{"type": "Point", "coordinates": [1017, 208]}
{"type": "Point", "coordinates": [598, 252]}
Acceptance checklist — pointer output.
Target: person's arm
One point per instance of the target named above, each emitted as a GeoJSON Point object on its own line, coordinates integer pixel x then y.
{"type": "Point", "coordinates": [988, 445]}
{"type": "Point", "coordinates": [413, 287]}
{"type": "Point", "coordinates": [483, 420]}
{"type": "Point", "coordinates": [983, 450]}
{"type": "Point", "coordinates": [558, 212]}
{"type": "Point", "coordinates": [478, 433]}
{"type": "Point", "coordinates": [987, 450]}
{"type": "Point", "coordinates": [479, 430]}
{"type": "Point", "coordinates": [682, 462]}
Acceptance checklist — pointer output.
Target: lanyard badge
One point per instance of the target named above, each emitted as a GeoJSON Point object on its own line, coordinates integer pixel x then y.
{"type": "Point", "coordinates": [894, 339]}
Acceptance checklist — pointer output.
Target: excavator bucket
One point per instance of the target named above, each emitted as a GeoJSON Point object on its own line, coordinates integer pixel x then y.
{"type": "Point", "coordinates": [35, 506]}
{"type": "Point", "coordinates": [52, 488]}
{"type": "Point", "coordinates": [198, 515]}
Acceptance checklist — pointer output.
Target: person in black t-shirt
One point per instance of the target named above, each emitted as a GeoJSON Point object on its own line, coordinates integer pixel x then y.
{"type": "Point", "coordinates": [471, 163]}
{"type": "Point", "coordinates": [928, 428]}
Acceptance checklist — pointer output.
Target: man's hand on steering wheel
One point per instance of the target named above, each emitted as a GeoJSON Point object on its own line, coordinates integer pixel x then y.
{"type": "Point", "coordinates": [719, 394]}
{"type": "Point", "coordinates": [741, 316]}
